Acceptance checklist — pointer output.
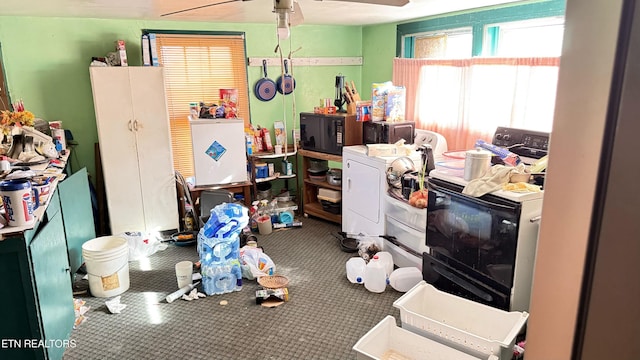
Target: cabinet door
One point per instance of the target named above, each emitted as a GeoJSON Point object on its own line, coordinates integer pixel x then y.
{"type": "Point", "coordinates": [77, 214]}
{"type": "Point", "coordinates": [118, 151]}
{"type": "Point", "coordinates": [50, 267]}
{"type": "Point", "coordinates": [360, 197]}
{"type": "Point", "coordinates": [155, 158]}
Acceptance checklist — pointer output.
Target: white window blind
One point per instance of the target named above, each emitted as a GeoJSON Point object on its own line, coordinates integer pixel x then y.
{"type": "Point", "coordinates": [196, 68]}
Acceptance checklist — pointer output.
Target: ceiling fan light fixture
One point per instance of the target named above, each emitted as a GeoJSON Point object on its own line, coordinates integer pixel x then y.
{"type": "Point", "coordinates": [283, 25]}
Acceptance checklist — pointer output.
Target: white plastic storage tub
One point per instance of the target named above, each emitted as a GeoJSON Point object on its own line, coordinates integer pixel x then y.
{"type": "Point", "coordinates": [388, 341]}
{"type": "Point", "coordinates": [468, 326]}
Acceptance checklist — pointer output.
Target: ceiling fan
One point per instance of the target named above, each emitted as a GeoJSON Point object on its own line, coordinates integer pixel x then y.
{"type": "Point", "coordinates": [289, 12]}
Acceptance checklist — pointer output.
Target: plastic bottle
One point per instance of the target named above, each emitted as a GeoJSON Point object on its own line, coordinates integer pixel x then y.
{"type": "Point", "coordinates": [404, 279]}
{"type": "Point", "coordinates": [355, 270]}
{"type": "Point", "coordinates": [375, 278]}
{"type": "Point", "coordinates": [387, 260]}
{"type": "Point", "coordinates": [5, 165]}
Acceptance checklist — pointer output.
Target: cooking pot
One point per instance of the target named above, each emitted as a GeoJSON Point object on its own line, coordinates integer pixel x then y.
{"type": "Point", "coordinates": [334, 177]}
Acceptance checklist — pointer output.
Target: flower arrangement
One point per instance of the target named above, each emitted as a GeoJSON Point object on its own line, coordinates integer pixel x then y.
{"type": "Point", "coordinates": [19, 116]}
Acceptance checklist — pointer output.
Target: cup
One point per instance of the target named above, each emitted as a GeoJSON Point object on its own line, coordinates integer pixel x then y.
{"type": "Point", "coordinates": [265, 226]}
{"type": "Point", "coordinates": [19, 202]}
{"type": "Point", "coordinates": [184, 273]}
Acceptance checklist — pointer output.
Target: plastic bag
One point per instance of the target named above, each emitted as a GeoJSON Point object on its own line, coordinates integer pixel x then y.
{"type": "Point", "coordinates": [255, 263]}
{"type": "Point", "coordinates": [226, 220]}
{"type": "Point", "coordinates": [142, 245]}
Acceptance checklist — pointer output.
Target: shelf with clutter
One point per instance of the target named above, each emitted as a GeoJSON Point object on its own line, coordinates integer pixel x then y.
{"type": "Point", "coordinates": [268, 161]}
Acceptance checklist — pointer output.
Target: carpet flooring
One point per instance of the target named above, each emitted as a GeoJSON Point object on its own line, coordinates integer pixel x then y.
{"type": "Point", "coordinates": [324, 318]}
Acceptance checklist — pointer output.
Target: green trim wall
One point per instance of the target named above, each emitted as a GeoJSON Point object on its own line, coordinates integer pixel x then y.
{"type": "Point", "coordinates": [46, 64]}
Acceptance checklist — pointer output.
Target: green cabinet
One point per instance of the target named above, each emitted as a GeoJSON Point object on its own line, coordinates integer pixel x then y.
{"type": "Point", "coordinates": [36, 299]}
{"type": "Point", "coordinates": [77, 215]}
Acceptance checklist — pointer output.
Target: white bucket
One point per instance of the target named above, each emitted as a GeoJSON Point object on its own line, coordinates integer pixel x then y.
{"type": "Point", "coordinates": [107, 262]}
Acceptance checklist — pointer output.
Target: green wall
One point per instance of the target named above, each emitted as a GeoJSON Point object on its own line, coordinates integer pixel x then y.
{"type": "Point", "coordinates": [46, 64]}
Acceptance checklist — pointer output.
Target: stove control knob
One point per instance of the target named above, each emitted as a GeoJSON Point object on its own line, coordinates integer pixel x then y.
{"type": "Point", "coordinates": [507, 137]}
{"type": "Point", "coordinates": [498, 136]}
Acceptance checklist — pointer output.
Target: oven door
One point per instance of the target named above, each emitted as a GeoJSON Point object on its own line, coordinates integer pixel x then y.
{"type": "Point", "coordinates": [449, 279]}
{"type": "Point", "coordinates": [476, 237]}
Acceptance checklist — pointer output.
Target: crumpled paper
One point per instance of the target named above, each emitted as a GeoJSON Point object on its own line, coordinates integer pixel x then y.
{"type": "Point", "coordinates": [193, 295]}
{"type": "Point", "coordinates": [79, 309]}
{"type": "Point", "coordinates": [114, 305]}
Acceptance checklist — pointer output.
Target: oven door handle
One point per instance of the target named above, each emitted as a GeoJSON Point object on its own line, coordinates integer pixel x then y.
{"type": "Point", "coordinates": [472, 199]}
{"type": "Point", "coordinates": [463, 283]}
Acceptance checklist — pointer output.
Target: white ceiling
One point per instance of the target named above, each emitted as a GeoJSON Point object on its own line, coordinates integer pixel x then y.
{"type": "Point", "coordinates": [242, 11]}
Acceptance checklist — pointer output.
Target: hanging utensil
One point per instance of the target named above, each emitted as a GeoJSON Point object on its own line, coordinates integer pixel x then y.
{"type": "Point", "coordinates": [265, 88]}
{"type": "Point", "coordinates": [286, 82]}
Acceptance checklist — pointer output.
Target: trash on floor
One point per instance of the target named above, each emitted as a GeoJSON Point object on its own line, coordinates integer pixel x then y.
{"type": "Point", "coordinates": [114, 305]}
{"type": "Point", "coordinates": [141, 245]}
{"type": "Point", "coordinates": [193, 295]}
{"type": "Point", "coordinates": [255, 263]}
{"type": "Point", "coordinates": [80, 309]}
{"type": "Point", "coordinates": [177, 294]}
{"type": "Point", "coordinates": [272, 297]}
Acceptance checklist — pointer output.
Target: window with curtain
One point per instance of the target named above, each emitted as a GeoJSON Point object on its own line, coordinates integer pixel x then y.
{"type": "Point", "coordinates": [514, 84]}
{"type": "Point", "coordinates": [466, 100]}
{"type": "Point", "coordinates": [196, 68]}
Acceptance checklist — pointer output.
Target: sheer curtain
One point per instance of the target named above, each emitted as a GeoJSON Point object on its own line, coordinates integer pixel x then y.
{"type": "Point", "coordinates": [465, 100]}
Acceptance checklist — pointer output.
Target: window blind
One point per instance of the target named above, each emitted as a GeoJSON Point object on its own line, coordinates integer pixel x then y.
{"type": "Point", "coordinates": [196, 68]}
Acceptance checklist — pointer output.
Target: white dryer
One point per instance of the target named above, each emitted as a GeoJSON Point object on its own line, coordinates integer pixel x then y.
{"type": "Point", "coordinates": [364, 184]}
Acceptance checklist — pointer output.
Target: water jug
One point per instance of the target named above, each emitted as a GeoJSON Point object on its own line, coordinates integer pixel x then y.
{"type": "Point", "coordinates": [387, 260]}
{"type": "Point", "coordinates": [404, 279]}
{"type": "Point", "coordinates": [375, 278]}
{"type": "Point", "coordinates": [355, 270]}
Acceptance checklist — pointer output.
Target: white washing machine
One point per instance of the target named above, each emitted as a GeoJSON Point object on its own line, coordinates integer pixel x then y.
{"type": "Point", "coordinates": [364, 184]}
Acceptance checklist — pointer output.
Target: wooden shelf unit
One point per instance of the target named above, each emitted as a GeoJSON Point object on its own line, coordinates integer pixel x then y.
{"type": "Point", "coordinates": [267, 157]}
{"type": "Point", "coordinates": [310, 203]}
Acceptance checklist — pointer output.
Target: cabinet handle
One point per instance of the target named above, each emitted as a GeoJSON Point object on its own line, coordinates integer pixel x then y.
{"type": "Point", "coordinates": [67, 269]}
{"type": "Point", "coordinates": [129, 126]}
{"type": "Point", "coordinates": [135, 125]}
{"type": "Point", "coordinates": [348, 183]}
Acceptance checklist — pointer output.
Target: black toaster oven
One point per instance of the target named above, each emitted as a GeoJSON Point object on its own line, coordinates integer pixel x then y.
{"type": "Point", "coordinates": [383, 132]}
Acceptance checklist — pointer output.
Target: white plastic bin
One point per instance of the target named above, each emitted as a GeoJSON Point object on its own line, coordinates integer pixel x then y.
{"type": "Point", "coordinates": [468, 326]}
{"type": "Point", "coordinates": [388, 341]}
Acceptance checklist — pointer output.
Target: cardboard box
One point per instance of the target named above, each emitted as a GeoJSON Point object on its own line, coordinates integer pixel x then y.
{"type": "Point", "coordinates": [146, 51]}
{"type": "Point", "coordinates": [154, 50]}
{"type": "Point", "coordinates": [278, 130]}
{"type": "Point", "coordinates": [122, 52]}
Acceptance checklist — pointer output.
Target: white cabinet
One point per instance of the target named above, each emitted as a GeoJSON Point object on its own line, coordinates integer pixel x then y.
{"type": "Point", "coordinates": [135, 148]}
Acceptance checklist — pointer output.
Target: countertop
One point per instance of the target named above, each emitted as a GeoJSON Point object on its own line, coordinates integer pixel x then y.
{"type": "Point", "coordinates": [46, 169]}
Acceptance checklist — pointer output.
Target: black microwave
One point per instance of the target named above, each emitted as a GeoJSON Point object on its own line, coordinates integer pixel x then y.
{"type": "Point", "coordinates": [328, 133]}
{"type": "Point", "coordinates": [383, 132]}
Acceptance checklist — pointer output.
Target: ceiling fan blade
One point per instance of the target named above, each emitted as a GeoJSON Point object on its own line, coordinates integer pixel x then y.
{"type": "Point", "coordinates": [200, 7]}
{"type": "Point", "coordinates": [379, 2]}
{"type": "Point", "coordinates": [296, 16]}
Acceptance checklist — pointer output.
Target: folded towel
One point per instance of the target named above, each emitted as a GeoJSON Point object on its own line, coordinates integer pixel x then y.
{"type": "Point", "coordinates": [493, 180]}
